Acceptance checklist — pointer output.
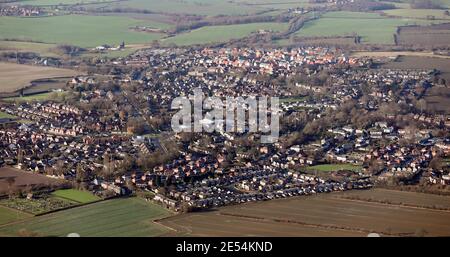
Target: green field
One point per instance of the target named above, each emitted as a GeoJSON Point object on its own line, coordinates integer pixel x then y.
{"type": "Point", "coordinates": [197, 7]}
{"type": "Point", "coordinates": [372, 29]}
{"type": "Point", "coordinates": [8, 215]}
{"type": "Point", "coordinates": [443, 3]}
{"type": "Point", "coordinates": [36, 97]}
{"type": "Point", "coordinates": [215, 34]}
{"type": "Point", "coordinates": [334, 167]}
{"type": "Point", "coordinates": [76, 195]}
{"type": "Point", "coordinates": [118, 217]}
{"type": "Point", "coordinates": [80, 30]}
{"type": "Point", "coordinates": [4, 115]}
{"type": "Point", "coordinates": [292, 99]}
{"type": "Point", "coordinates": [39, 48]}
{"type": "Point", "coordinates": [418, 13]}
{"type": "Point", "coordinates": [59, 2]}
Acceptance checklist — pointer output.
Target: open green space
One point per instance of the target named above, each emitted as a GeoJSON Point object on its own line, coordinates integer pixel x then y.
{"type": "Point", "coordinates": [215, 34]}
{"type": "Point", "coordinates": [418, 13]}
{"type": "Point", "coordinates": [334, 167]}
{"type": "Point", "coordinates": [8, 215]}
{"type": "Point", "coordinates": [292, 99]}
{"type": "Point", "coordinates": [372, 28]}
{"type": "Point", "coordinates": [117, 217]}
{"type": "Point", "coordinates": [76, 195]}
{"type": "Point", "coordinates": [37, 97]}
{"type": "Point", "coordinates": [80, 30]}
{"type": "Point", "coordinates": [4, 115]}
{"type": "Point", "coordinates": [59, 2]}
{"type": "Point", "coordinates": [197, 7]}
{"type": "Point", "coordinates": [39, 48]}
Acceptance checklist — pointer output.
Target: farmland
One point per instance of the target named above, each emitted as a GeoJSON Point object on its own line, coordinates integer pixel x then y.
{"type": "Point", "coordinates": [418, 13]}
{"type": "Point", "coordinates": [37, 97]}
{"type": "Point", "coordinates": [215, 224]}
{"type": "Point", "coordinates": [214, 34]}
{"type": "Point", "coordinates": [197, 7]}
{"type": "Point", "coordinates": [39, 48]}
{"type": "Point", "coordinates": [8, 215]}
{"type": "Point", "coordinates": [401, 197]}
{"type": "Point", "coordinates": [118, 217]}
{"type": "Point", "coordinates": [60, 2]}
{"type": "Point", "coordinates": [76, 195]}
{"type": "Point", "coordinates": [431, 36]}
{"type": "Point", "coordinates": [22, 179]}
{"type": "Point", "coordinates": [371, 27]}
{"type": "Point", "coordinates": [421, 63]}
{"type": "Point", "coordinates": [80, 30]}
{"type": "Point", "coordinates": [16, 76]}
{"type": "Point", "coordinates": [322, 215]}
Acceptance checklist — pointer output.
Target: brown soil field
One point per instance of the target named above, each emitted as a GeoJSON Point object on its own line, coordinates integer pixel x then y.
{"type": "Point", "coordinates": [401, 197]}
{"type": "Point", "coordinates": [427, 36]}
{"type": "Point", "coordinates": [216, 224]}
{"type": "Point", "coordinates": [438, 99]}
{"type": "Point", "coordinates": [16, 76]}
{"type": "Point", "coordinates": [321, 215]}
{"type": "Point", "coordinates": [23, 179]}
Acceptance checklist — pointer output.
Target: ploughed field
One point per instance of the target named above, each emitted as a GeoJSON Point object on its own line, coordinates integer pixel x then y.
{"type": "Point", "coordinates": [322, 215]}
{"type": "Point", "coordinates": [432, 36]}
{"type": "Point", "coordinates": [394, 197]}
{"type": "Point", "coordinates": [16, 76]}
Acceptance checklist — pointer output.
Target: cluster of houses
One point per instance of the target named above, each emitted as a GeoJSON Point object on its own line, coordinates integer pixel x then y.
{"type": "Point", "coordinates": [25, 11]}
{"type": "Point", "coordinates": [251, 185]}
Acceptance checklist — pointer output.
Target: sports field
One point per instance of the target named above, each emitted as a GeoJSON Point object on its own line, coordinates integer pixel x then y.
{"type": "Point", "coordinates": [76, 195]}
{"type": "Point", "coordinates": [117, 217]}
{"type": "Point", "coordinates": [214, 34]}
{"type": "Point", "coordinates": [80, 30]}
